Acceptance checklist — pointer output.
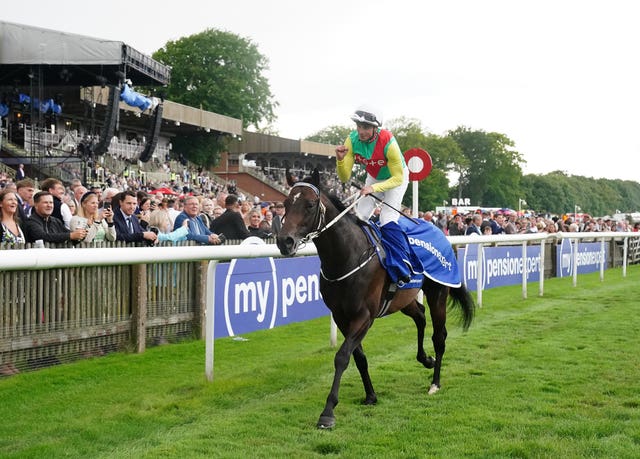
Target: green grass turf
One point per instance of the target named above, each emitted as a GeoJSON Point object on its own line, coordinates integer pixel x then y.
{"type": "Point", "coordinates": [553, 376]}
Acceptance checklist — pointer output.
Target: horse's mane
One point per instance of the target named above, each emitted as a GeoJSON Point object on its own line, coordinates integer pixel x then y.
{"type": "Point", "coordinates": [335, 200]}
{"type": "Point", "coordinates": [339, 205]}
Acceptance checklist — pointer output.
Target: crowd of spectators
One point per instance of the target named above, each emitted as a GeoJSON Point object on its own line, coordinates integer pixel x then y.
{"type": "Point", "coordinates": [125, 210]}
{"type": "Point", "coordinates": [51, 212]}
{"type": "Point", "coordinates": [484, 222]}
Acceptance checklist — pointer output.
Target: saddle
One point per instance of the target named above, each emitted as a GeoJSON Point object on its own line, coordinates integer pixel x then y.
{"type": "Point", "coordinates": [428, 244]}
{"type": "Point", "coordinates": [383, 248]}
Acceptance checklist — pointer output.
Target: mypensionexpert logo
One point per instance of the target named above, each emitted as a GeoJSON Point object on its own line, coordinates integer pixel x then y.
{"type": "Point", "coordinates": [588, 257]}
{"type": "Point", "coordinates": [500, 265]}
{"type": "Point", "coordinates": [261, 293]}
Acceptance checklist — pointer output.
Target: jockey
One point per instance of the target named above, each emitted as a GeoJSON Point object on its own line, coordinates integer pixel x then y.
{"type": "Point", "coordinates": [387, 176]}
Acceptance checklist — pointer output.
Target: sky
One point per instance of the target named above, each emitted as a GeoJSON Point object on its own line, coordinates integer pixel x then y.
{"type": "Point", "coordinates": [560, 78]}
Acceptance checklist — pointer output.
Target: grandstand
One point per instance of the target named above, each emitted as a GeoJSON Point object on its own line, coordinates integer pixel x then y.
{"type": "Point", "coordinates": [64, 118]}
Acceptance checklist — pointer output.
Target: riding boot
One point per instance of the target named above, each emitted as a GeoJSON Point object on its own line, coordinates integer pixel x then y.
{"type": "Point", "coordinates": [400, 258]}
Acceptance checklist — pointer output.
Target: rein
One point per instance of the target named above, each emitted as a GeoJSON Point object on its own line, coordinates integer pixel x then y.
{"type": "Point", "coordinates": [321, 212]}
{"type": "Point", "coordinates": [320, 229]}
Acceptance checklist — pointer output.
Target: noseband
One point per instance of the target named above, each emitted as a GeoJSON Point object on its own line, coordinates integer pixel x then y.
{"type": "Point", "coordinates": [320, 212]}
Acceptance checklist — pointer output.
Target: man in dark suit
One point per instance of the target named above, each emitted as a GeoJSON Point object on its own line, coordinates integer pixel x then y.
{"type": "Point", "coordinates": [44, 226]}
{"type": "Point", "coordinates": [278, 214]}
{"type": "Point", "coordinates": [20, 175]}
{"type": "Point", "coordinates": [474, 226]}
{"type": "Point", "coordinates": [24, 191]}
{"type": "Point", "coordinates": [230, 223]}
{"type": "Point", "coordinates": [61, 209]}
{"type": "Point", "coordinates": [128, 227]}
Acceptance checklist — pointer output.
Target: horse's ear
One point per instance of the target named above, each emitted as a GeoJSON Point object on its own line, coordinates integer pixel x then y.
{"type": "Point", "coordinates": [289, 177]}
{"type": "Point", "coordinates": [315, 177]}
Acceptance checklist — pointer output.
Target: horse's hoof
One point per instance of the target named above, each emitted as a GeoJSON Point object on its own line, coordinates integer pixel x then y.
{"type": "Point", "coordinates": [431, 362]}
{"type": "Point", "coordinates": [370, 400]}
{"type": "Point", "coordinates": [326, 422]}
{"type": "Point", "coordinates": [427, 362]}
{"type": "Point", "coordinates": [433, 389]}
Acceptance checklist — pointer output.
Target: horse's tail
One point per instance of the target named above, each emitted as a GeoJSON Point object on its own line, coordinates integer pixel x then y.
{"type": "Point", "coordinates": [461, 298]}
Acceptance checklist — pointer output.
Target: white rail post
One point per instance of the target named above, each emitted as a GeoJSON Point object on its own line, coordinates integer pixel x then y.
{"type": "Point", "coordinates": [542, 254]}
{"type": "Point", "coordinates": [209, 322]}
{"type": "Point", "coordinates": [479, 283]}
{"type": "Point", "coordinates": [524, 270]}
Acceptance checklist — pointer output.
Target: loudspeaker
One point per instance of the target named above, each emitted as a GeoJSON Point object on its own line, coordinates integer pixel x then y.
{"type": "Point", "coordinates": [152, 134]}
{"type": "Point", "coordinates": [110, 121]}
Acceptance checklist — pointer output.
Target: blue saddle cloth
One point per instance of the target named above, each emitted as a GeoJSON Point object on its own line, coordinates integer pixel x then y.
{"type": "Point", "coordinates": [437, 259]}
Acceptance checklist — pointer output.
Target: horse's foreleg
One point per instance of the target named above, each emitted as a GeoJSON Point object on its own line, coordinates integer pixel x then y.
{"type": "Point", "coordinates": [363, 367]}
{"type": "Point", "coordinates": [341, 361]}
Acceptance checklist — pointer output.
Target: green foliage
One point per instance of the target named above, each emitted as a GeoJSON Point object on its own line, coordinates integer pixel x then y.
{"type": "Point", "coordinates": [444, 153]}
{"type": "Point", "coordinates": [552, 376]}
{"type": "Point", "coordinates": [490, 173]}
{"type": "Point", "coordinates": [559, 193]}
{"type": "Point", "coordinates": [408, 132]}
{"type": "Point", "coordinates": [432, 191]}
{"type": "Point", "coordinates": [332, 135]}
{"type": "Point", "coordinates": [222, 73]}
{"type": "Point", "coordinates": [200, 148]}
{"type": "Point", "coordinates": [493, 172]}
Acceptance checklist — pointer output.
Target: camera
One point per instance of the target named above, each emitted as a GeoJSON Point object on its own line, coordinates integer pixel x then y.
{"type": "Point", "coordinates": [154, 229]}
{"type": "Point", "coordinates": [106, 205]}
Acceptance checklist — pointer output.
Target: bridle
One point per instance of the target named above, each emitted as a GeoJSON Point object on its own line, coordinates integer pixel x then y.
{"type": "Point", "coordinates": [321, 226]}
{"type": "Point", "coordinates": [320, 213]}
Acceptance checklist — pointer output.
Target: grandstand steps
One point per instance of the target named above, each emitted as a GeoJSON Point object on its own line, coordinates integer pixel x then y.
{"type": "Point", "coordinates": [36, 167]}
{"type": "Point", "coordinates": [248, 182]}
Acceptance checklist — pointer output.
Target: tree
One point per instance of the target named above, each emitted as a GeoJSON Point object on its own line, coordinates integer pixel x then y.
{"type": "Point", "coordinates": [409, 133]}
{"type": "Point", "coordinates": [332, 135]}
{"type": "Point", "coordinates": [200, 148]}
{"type": "Point", "coordinates": [220, 72]}
{"type": "Point", "coordinates": [493, 172]}
{"type": "Point", "coordinates": [445, 155]}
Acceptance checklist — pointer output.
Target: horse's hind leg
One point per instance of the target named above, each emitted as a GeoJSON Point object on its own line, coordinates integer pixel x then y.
{"type": "Point", "coordinates": [437, 301]}
{"type": "Point", "coordinates": [416, 311]}
{"type": "Point", "coordinates": [363, 367]}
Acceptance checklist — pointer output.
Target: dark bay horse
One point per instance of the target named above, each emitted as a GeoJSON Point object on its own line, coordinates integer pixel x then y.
{"type": "Point", "coordinates": [353, 285]}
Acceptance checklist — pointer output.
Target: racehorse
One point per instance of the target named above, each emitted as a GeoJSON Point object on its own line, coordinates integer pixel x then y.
{"type": "Point", "coordinates": [354, 285]}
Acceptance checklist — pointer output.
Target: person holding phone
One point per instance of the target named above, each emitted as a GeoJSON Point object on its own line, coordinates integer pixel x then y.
{"type": "Point", "coordinates": [99, 225]}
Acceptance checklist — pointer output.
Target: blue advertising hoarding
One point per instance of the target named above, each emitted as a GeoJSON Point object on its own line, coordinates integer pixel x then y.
{"type": "Point", "coordinates": [500, 265]}
{"type": "Point", "coordinates": [262, 293]}
{"type": "Point", "coordinates": [589, 257]}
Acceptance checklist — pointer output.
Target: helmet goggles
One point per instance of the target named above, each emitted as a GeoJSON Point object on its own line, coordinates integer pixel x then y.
{"type": "Point", "coordinates": [361, 116]}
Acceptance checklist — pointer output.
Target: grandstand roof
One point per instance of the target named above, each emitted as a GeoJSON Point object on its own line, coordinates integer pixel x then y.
{"type": "Point", "coordinates": [255, 143]}
{"type": "Point", "coordinates": [60, 58]}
